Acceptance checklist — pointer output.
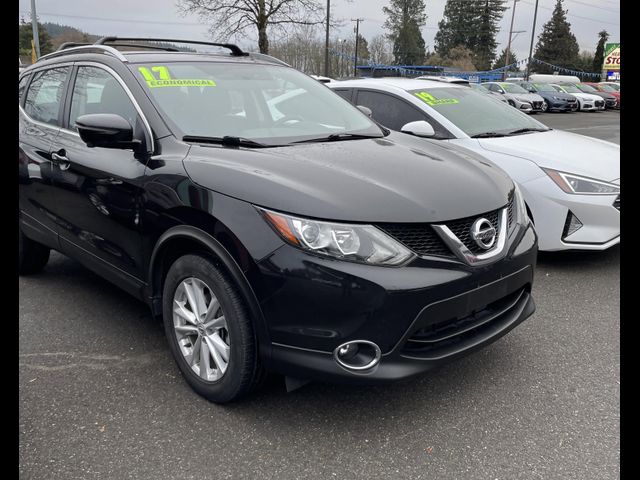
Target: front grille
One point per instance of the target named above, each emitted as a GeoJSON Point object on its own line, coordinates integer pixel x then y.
{"type": "Point", "coordinates": [418, 237]}
{"type": "Point", "coordinates": [617, 203]}
{"type": "Point", "coordinates": [441, 338]}
{"type": "Point", "coordinates": [422, 239]}
{"type": "Point", "coordinates": [599, 103]}
{"type": "Point", "coordinates": [537, 105]}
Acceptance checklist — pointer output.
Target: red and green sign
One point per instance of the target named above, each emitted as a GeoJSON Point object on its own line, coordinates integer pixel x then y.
{"type": "Point", "coordinates": [611, 56]}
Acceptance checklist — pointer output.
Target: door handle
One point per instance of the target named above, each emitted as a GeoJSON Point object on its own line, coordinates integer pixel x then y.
{"type": "Point", "coordinates": [60, 159]}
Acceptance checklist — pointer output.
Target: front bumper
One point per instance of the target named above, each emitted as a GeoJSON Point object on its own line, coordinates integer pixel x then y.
{"type": "Point", "coordinates": [550, 205]}
{"type": "Point", "coordinates": [315, 304]}
{"type": "Point", "coordinates": [562, 105]}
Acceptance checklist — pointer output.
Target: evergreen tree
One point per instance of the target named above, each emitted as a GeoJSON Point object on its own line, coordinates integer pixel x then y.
{"type": "Point", "coordinates": [488, 17]}
{"type": "Point", "coordinates": [404, 19]}
{"type": "Point", "coordinates": [472, 24]}
{"type": "Point", "coordinates": [598, 58]}
{"type": "Point", "coordinates": [363, 48]}
{"type": "Point", "coordinates": [499, 63]}
{"type": "Point", "coordinates": [556, 44]}
{"type": "Point", "coordinates": [25, 35]}
{"type": "Point", "coordinates": [409, 46]}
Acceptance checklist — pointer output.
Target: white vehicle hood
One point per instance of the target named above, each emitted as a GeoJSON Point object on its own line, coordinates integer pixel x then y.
{"type": "Point", "coordinates": [563, 151]}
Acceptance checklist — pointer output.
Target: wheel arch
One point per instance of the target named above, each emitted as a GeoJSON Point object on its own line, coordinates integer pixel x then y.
{"type": "Point", "coordinates": [185, 239]}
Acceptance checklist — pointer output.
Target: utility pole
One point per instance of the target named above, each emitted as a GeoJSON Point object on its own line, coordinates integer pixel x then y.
{"type": "Point", "coordinates": [355, 61]}
{"type": "Point", "coordinates": [506, 57]}
{"type": "Point", "coordinates": [326, 42]}
{"type": "Point", "coordinates": [34, 26]}
{"type": "Point", "coordinates": [533, 32]}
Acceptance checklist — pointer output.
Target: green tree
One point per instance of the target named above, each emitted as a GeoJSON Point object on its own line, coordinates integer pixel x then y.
{"type": "Point", "coordinates": [25, 35]}
{"type": "Point", "coordinates": [556, 44]}
{"type": "Point", "coordinates": [488, 16]}
{"type": "Point", "coordinates": [409, 46]}
{"type": "Point", "coordinates": [472, 24]}
{"type": "Point", "coordinates": [404, 19]}
{"type": "Point", "coordinates": [459, 57]}
{"type": "Point", "coordinates": [363, 48]}
{"type": "Point", "coordinates": [598, 58]}
{"type": "Point", "coordinates": [499, 63]}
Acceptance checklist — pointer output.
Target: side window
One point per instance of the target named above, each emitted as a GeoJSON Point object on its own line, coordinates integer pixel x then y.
{"type": "Point", "coordinates": [390, 111]}
{"type": "Point", "coordinates": [97, 91]}
{"type": "Point", "coordinates": [346, 94]}
{"type": "Point", "coordinates": [45, 94]}
{"type": "Point", "coordinates": [21, 87]}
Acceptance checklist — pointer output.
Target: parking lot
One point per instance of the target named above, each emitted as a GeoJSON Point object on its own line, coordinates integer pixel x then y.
{"type": "Point", "coordinates": [101, 397]}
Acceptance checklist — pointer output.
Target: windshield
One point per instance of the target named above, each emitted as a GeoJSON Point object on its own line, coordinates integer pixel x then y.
{"type": "Point", "coordinates": [569, 89]}
{"type": "Point", "coordinates": [513, 88]}
{"type": "Point", "coordinates": [586, 88]}
{"type": "Point", "coordinates": [480, 88]}
{"type": "Point", "coordinates": [607, 88]}
{"type": "Point", "coordinates": [475, 113]}
{"type": "Point", "coordinates": [273, 105]}
{"type": "Point", "coordinates": [616, 87]}
{"type": "Point", "coordinates": [544, 87]}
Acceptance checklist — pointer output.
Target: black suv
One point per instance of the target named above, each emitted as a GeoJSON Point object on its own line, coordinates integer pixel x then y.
{"type": "Point", "coordinates": [272, 225]}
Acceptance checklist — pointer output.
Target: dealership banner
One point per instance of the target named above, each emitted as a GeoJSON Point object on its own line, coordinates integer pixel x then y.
{"type": "Point", "coordinates": [611, 56]}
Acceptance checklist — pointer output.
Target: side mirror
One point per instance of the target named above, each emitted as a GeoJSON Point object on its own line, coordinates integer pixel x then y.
{"type": "Point", "coordinates": [366, 110]}
{"type": "Point", "coordinates": [420, 128]}
{"type": "Point", "coordinates": [106, 130]}
{"type": "Point", "coordinates": [532, 90]}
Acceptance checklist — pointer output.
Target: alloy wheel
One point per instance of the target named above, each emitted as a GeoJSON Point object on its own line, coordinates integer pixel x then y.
{"type": "Point", "coordinates": [201, 329]}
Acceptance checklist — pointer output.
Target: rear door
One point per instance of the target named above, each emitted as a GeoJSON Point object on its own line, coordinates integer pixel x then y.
{"type": "Point", "coordinates": [98, 189]}
{"type": "Point", "coordinates": [40, 112]}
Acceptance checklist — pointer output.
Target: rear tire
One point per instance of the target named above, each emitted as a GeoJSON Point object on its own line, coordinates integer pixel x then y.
{"type": "Point", "coordinates": [32, 256]}
{"type": "Point", "coordinates": [206, 319]}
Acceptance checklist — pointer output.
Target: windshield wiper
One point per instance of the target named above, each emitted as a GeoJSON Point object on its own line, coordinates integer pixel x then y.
{"type": "Point", "coordinates": [489, 135]}
{"type": "Point", "coordinates": [526, 130]}
{"type": "Point", "coordinates": [339, 136]}
{"type": "Point", "coordinates": [227, 141]}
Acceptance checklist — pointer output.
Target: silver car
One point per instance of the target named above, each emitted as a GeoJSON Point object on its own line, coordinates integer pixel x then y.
{"type": "Point", "coordinates": [517, 96]}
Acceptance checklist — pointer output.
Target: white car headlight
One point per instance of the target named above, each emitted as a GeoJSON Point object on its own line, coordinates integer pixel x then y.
{"type": "Point", "coordinates": [577, 184]}
{"type": "Point", "coordinates": [356, 243]}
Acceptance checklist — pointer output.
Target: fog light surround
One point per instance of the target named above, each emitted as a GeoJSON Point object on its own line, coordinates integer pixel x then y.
{"type": "Point", "coordinates": [571, 225]}
{"type": "Point", "coordinates": [357, 355]}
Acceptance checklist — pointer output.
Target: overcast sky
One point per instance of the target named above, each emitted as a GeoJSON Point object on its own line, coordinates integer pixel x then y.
{"type": "Point", "coordinates": [160, 18]}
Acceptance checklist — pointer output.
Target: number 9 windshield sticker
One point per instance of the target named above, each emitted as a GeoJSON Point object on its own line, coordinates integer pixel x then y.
{"type": "Point", "coordinates": [432, 101]}
{"type": "Point", "coordinates": [164, 79]}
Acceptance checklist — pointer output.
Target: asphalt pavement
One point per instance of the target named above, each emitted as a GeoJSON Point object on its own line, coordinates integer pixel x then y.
{"type": "Point", "coordinates": [604, 125]}
{"type": "Point", "coordinates": [100, 396]}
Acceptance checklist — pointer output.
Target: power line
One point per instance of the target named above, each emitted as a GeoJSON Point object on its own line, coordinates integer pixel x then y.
{"type": "Point", "coordinates": [574, 15]}
{"type": "Point", "coordinates": [82, 17]}
{"type": "Point", "coordinates": [593, 6]}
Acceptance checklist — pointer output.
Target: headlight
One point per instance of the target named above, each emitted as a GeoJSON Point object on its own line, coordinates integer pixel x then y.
{"type": "Point", "coordinates": [356, 243]}
{"type": "Point", "coordinates": [522, 217]}
{"type": "Point", "coordinates": [571, 183]}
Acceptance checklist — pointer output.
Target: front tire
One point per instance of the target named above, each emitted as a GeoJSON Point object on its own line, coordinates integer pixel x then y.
{"type": "Point", "coordinates": [209, 330]}
{"type": "Point", "coordinates": [32, 256]}
{"type": "Point", "coordinates": [545, 106]}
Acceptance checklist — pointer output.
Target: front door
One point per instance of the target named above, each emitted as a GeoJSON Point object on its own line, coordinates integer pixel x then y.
{"type": "Point", "coordinates": [98, 189]}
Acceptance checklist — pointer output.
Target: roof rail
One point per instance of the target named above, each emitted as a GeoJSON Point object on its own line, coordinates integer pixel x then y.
{"type": "Point", "coordinates": [66, 45]}
{"type": "Point", "coordinates": [235, 50]}
{"type": "Point", "coordinates": [86, 48]}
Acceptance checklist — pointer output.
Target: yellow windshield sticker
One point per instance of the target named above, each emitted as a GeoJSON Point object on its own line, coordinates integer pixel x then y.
{"type": "Point", "coordinates": [431, 100]}
{"type": "Point", "coordinates": [165, 79]}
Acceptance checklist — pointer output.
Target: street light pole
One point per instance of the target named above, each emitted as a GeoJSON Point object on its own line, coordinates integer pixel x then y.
{"type": "Point", "coordinates": [34, 26]}
{"type": "Point", "coordinates": [326, 42]}
{"type": "Point", "coordinates": [506, 57]}
{"type": "Point", "coordinates": [533, 32]}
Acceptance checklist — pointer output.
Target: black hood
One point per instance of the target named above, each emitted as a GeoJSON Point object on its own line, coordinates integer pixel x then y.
{"type": "Point", "coordinates": [372, 180]}
{"type": "Point", "coordinates": [560, 95]}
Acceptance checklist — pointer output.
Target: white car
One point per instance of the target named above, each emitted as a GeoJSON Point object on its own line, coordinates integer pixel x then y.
{"type": "Point", "coordinates": [570, 182]}
{"type": "Point", "coordinates": [517, 96]}
{"type": "Point", "coordinates": [586, 101]}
